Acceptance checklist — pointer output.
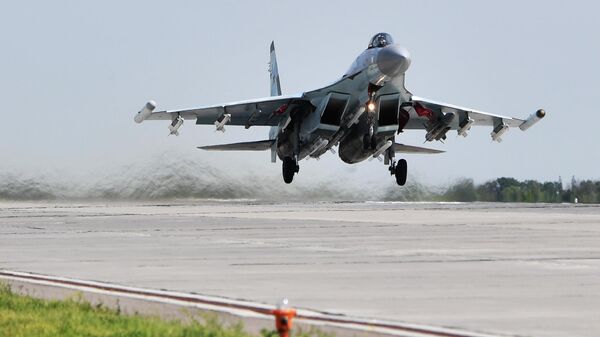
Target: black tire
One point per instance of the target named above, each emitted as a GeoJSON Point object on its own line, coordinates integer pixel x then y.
{"type": "Point", "coordinates": [401, 172]}
{"type": "Point", "coordinates": [288, 169]}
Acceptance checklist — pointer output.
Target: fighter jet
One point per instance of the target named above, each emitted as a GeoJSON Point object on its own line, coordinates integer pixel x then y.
{"type": "Point", "coordinates": [361, 114]}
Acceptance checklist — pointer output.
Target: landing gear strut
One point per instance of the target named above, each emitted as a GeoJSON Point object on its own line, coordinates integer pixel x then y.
{"type": "Point", "coordinates": [289, 168]}
{"type": "Point", "coordinates": [399, 170]}
{"type": "Point", "coordinates": [370, 139]}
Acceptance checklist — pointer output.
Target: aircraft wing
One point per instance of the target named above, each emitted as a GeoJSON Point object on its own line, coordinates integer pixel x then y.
{"type": "Point", "coordinates": [260, 145]}
{"type": "Point", "coordinates": [401, 148]}
{"type": "Point", "coordinates": [264, 112]}
{"type": "Point", "coordinates": [437, 118]}
{"type": "Point", "coordinates": [479, 117]}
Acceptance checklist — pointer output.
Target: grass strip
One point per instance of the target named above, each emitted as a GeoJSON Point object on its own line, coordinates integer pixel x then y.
{"type": "Point", "coordinates": [23, 316]}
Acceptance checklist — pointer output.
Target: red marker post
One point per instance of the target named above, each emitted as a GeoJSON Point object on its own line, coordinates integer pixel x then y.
{"type": "Point", "coordinates": [283, 318]}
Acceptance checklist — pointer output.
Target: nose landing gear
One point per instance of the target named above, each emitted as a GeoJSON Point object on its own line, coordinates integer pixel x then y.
{"type": "Point", "coordinates": [370, 139]}
{"type": "Point", "coordinates": [289, 168]}
{"type": "Point", "coordinates": [399, 170]}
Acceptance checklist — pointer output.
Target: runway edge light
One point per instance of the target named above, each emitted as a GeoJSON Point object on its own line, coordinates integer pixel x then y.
{"type": "Point", "coordinates": [284, 316]}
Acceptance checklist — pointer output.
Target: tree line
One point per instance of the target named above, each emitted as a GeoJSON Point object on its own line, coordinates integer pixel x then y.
{"type": "Point", "coordinates": [512, 190]}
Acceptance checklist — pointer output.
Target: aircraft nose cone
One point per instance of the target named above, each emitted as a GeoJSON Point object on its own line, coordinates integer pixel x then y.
{"type": "Point", "coordinates": [393, 60]}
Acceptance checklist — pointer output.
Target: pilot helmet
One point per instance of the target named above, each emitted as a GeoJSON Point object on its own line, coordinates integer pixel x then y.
{"type": "Point", "coordinates": [381, 40]}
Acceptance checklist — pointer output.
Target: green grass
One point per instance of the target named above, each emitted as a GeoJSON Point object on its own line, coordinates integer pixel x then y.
{"type": "Point", "coordinates": [23, 316]}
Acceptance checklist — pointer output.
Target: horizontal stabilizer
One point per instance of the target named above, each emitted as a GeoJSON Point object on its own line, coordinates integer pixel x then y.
{"type": "Point", "coordinates": [401, 148]}
{"type": "Point", "coordinates": [260, 145]}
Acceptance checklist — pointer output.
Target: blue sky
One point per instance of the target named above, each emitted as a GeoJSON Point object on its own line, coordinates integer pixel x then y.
{"type": "Point", "coordinates": [74, 74]}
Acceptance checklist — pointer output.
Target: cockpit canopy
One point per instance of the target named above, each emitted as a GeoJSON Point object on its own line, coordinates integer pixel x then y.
{"type": "Point", "coordinates": [381, 40]}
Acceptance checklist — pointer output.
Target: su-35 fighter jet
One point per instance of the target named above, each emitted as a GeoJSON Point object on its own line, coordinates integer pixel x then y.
{"type": "Point", "coordinates": [361, 113]}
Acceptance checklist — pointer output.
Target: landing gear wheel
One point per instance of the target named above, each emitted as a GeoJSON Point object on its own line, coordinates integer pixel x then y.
{"type": "Point", "coordinates": [400, 172]}
{"type": "Point", "coordinates": [289, 168]}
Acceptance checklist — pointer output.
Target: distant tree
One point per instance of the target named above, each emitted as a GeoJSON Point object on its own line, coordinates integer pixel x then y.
{"type": "Point", "coordinates": [552, 192]}
{"type": "Point", "coordinates": [586, 192]}
{"type": "Point", "coordinates": [507, 182]}
{"type": "Point", "coordinates": [503, 190]}
{"type": "Point", "coordinates": [560, 182]}
{"type": "Point", "coordinates": [512, 193]}
{"type": "Point", "coordinates": [489, 191]}
{"type": "Point", "coordinates": [567, 196]}
{"type": "Point", "coordinates": [463, 190]}
{"type": "Point", "coordinates": [532, 191]}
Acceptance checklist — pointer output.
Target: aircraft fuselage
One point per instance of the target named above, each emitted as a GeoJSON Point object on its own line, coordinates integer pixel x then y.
{"type": "Point", "coordinates": [378, 67]}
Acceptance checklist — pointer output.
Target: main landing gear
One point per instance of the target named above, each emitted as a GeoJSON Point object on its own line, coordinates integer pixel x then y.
{"type": "Point", "coordinates": [399, 170]}
{"type": "Point", "coordinates": [289, 168]}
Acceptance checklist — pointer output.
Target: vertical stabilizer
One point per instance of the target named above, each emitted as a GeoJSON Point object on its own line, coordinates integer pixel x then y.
{"type": "Point", "coordinates": [275, 91]}
{"type": "Point", "coordinates": [274, 73]}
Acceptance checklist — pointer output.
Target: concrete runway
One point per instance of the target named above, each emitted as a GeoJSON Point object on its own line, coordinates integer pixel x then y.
{"type": "Point", "coordinates": [530, 270]}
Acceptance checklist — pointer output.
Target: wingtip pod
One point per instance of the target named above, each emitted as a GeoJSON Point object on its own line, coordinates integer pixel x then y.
{"type": "Point", "coordinates": [534, 118]}
{"type": "Point", "coordinates": [146, 111]}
